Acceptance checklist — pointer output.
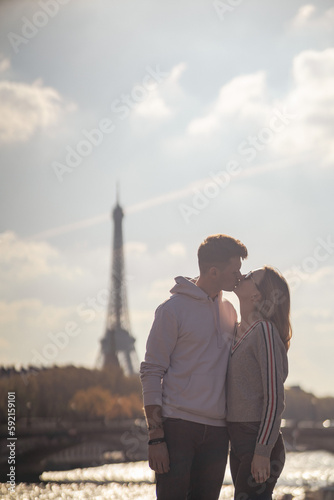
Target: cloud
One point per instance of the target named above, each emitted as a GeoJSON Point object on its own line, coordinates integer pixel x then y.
{"type": "Point", "coordinates": [311, 291]}
{"type": "Point", "coordinates": [23, 261]}
{"type": "Point", "coordinates": [159, 103]}
{"type": "Point", "coordinates": [311, 275]}
{"type": "Point", "coordinates": [25, 108]}
{"type": "Point", "coordinates": [135, 248]}
{"type": "Point", "coordinates": [159, 289]}
{"type": "Point", "coordinates": [321, 276]}
{"type": "Point", "coordinates": [141, 318]}
{"type": "Point", "coordinates": [312, 98]}
{"type": "Point", "coordinates": [304, 15]}
{"type": "Point", "coordinates": [313, 325]}
{"type": "Point", "coordinates": [244, 106]}
{"type": "Point", "coordinates": [41, 290]}
{"type": "Point", "coordinates": [318, 319]}
{"type": "Point", "coordinates": [30, 326]}
{"type": "Point", "coordinates": [177, 250]}
{"type": "Point", "coordinates": [4, 63]}
{"type": "Point", "coordinates": [309, 18]}
{"type": "Point", "coordinates": [4, 344]}
{"type": "Point", "coordinates": [244, 102]}
{"type": "Point", "coordinates": [242, 97]}
{"type": "Point", "coordinates": [145, 266]}
{"type": "Point", "coordinates": [154, 107]}
{"type": "Point", "coordinates": [317, 313]}
{"type": "Point", "coordinates": [33, 314]}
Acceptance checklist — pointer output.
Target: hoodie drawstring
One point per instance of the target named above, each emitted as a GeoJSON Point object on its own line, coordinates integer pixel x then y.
{"type": "Point", "coordinates": [216, 315]}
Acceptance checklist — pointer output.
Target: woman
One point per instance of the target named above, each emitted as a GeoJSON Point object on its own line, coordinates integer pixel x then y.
{"type": "Point", "coordinates": [257, 370]}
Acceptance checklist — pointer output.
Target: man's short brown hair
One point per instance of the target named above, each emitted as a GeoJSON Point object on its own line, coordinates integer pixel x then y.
{"type": "Point", "coordinates": [218, 249]}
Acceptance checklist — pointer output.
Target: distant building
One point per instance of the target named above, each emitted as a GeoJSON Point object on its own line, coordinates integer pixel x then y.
{"type": "Point", "coordinates": [118, 345]}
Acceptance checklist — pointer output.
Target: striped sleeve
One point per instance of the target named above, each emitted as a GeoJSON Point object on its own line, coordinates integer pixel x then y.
{"type": "Point", "coordinates": [272, 373]}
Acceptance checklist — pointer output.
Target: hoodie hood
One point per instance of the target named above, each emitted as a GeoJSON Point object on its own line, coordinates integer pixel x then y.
{"type": "Point", "coordinates": [188, 287]}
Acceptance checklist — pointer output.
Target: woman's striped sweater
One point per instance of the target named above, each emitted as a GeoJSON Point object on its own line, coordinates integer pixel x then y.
{"type": "Point", "coordinates": [258, 367]}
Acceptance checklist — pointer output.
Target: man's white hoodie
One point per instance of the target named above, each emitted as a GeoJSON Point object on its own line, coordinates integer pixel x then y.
{"type": "Point", "coordinates": [187, 354]}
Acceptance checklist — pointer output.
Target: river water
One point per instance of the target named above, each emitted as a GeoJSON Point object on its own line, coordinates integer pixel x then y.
{"type": "Point", "coordinates": [303, 471]}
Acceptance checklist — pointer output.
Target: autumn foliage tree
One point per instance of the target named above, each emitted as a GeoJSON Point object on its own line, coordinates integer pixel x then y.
{"type": "Point", "coordinates": [64, 392]}
{"type": "Point", "coordinates": [98, 402]}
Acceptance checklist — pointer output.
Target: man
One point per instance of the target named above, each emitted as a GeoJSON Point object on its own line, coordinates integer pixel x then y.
{"type": "Point", "coordinates": [183, 376]}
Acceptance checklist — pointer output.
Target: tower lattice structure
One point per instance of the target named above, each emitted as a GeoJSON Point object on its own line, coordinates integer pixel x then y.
{"type": "Point", "coordinates": [118, 345]}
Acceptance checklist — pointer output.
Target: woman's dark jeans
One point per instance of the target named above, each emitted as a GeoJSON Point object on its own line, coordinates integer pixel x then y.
{"type": "Point", "coordinates": [243, 440]}
{"type": "Point", "coordinates": [198, 456]}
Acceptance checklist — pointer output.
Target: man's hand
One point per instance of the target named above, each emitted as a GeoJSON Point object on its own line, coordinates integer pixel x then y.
{"type": "Point", "coordinates": [260, 468]}
{"type": "Point", "coordinates": [158, 457]}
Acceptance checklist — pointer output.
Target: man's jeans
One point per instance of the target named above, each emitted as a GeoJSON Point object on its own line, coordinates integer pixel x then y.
{"type": "Point", "coordinates": [198, 455]}
{"type": "Point", "coordinates": [243, 437]}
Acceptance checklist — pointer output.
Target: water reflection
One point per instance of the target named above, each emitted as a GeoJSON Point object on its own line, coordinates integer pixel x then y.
{"type": "Point", "coordinates": [303, 471]}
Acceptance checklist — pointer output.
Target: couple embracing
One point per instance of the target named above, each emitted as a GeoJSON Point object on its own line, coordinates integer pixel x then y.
{"type": "Point", "coordinates": [210, 382]}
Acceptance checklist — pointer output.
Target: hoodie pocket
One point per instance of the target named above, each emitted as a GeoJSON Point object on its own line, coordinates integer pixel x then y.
{"type": "Point", "coordinates": [203, 395]}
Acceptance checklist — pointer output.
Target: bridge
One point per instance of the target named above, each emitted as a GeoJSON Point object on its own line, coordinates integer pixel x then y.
{"type": "Point", "coordinates": [308, 436]}
{"type": "Point", "coordinates": [47, 444]}
{"type": "Point", "coordinates": [44, 445]}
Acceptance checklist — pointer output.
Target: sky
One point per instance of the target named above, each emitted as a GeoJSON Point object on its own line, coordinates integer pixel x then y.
{"type": "Point", "coordinates": [213, 117]}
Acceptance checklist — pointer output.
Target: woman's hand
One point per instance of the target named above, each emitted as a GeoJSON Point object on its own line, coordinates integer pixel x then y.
{"type": "Point", "coordinates": [260, 468]}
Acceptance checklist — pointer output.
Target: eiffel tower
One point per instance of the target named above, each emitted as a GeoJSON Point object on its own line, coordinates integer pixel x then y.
{"type": "Point", "coordinates": [118, 345]}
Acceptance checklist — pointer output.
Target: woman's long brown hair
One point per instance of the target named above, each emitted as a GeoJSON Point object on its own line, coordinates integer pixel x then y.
{"type": "Point", "coordinates": [275, 303]}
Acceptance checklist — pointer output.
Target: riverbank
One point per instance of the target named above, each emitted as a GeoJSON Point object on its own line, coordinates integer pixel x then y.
{"type": "Point", "coordinates": [304, 476]}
